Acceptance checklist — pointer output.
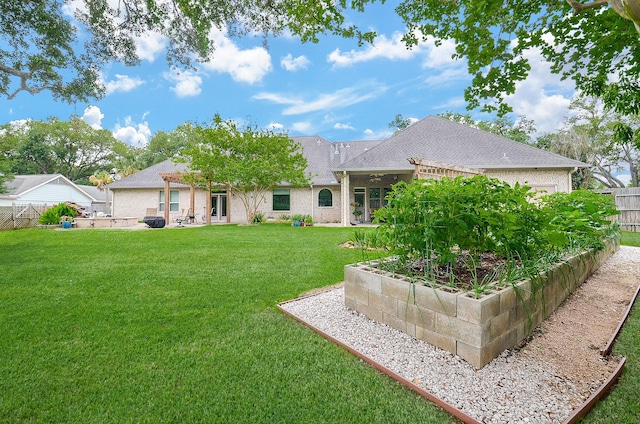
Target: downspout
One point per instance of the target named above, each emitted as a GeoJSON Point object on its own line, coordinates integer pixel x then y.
{"type": "Point", "coordinates": [312, 209]}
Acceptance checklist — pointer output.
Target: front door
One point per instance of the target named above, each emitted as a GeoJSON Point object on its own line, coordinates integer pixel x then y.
{"type": "Point", "coordinates": [218, 207]}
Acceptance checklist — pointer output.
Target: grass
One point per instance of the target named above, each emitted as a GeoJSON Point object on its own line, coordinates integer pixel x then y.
{"type": "Point", "coordinates": [180, 325]}
{"type": "Point", "coordinates": [622, 405]}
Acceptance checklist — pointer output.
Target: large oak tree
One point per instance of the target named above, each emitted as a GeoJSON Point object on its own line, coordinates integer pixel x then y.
{"type": "Point", "coordinates": [596, 43]}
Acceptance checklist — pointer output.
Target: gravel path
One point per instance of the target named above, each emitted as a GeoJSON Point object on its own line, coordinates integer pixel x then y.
{"type": "Point", "coordinates": [512, 388]}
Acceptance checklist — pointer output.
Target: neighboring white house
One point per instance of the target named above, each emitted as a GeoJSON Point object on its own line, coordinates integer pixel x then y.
{"type": "Point", "coordinates": [44, 189]}
{"type": "Point", "coordinates": [355, 175]}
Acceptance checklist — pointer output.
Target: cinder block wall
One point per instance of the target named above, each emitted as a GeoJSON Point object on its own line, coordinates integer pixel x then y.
{"type": "Point", "coordinates": [477, 330]}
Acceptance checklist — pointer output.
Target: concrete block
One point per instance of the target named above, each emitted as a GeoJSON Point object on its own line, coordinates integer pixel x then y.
{"type": "Point", "coordinates": [356, 293]}
{"type": "Point", "coordinates": [437, 340]}
{"type": "Point", "coordinates": [360, 277]}
{"type": "Point", "coordinates": [414, 314]}
{"type": "Point", "coordinates": [386, 304]}
{"type": "Point", "coordinates": [399, 289]}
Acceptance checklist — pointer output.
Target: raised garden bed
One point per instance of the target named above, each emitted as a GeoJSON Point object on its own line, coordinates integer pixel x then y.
{"type": "Point", "coordinates": [477, 330]}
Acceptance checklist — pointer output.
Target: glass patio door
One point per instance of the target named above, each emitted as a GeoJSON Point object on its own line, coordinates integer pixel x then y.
{"type": "Point", "coordinates": [218, 207]}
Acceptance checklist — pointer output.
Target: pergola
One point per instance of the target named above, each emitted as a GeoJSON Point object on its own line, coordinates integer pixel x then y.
{"type": "Point", "coordinates": [177, 178]}
{"type": "Point", "coordinates": [427, 169]}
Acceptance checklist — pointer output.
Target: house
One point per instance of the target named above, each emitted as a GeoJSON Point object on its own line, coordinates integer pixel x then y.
{"type": "Point", "coordinates": [356, 175]}
{"type": "Point", "coordinates": [44, 189]}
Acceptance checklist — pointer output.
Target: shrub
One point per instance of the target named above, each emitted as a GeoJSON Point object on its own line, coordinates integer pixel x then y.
{"type": "Point", "coordinates": [443, 229]}
{"type": "Point", "coordinates": [581, 218]}
{"type": "Point", "coordinates": [479, 214]}
{"type": "Point", "coordinates": [53, 215]}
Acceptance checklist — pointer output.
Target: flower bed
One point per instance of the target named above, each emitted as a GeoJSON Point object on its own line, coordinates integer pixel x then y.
{"type": "Point", "coordinates": [477, 330]}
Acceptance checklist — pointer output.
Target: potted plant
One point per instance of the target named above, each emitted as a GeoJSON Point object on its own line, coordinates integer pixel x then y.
{"type": "Point", "coordinates": [66, 221]}
{"type": "Point", "coordinates": [356, 212]}
{"type": "Point", "coordinates": [297, 220]}
{"type": "Point", "coordinates": [308, 221]}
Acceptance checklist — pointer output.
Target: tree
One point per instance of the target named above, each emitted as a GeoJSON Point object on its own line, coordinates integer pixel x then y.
{"type": "Point", "coordinates": [400, 123]}
{"type": "Point", "coordinates": [164, 145]}
{"type": "Point", "coordinates": [606, 140]}
{"type": "Point", "coordinates": [61, 45]}
{"type": "Point", "coordinates": [520, 130]}
{"type": "Point", "coordinates": [587, 42]}
{"type": "Point", "coordinates": [100, 179]}
{"type": "Point", "coordinates": [71, 148]}
{"type": "Point", "coordinates": [248, 162]}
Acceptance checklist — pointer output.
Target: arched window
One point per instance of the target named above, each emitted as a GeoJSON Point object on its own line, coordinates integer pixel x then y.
{"type": "Point", "coordinates": [325, 198]}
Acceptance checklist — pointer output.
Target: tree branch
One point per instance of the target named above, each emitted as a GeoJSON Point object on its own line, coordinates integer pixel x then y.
{"type": "Point", "coordinates": [579, 7]}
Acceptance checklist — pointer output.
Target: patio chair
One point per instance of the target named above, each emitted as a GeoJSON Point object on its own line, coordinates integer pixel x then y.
{"type": "Point", "coordinates": [186, 217]}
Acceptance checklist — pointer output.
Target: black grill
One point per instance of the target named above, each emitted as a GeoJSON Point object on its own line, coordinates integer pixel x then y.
{"type": "Point", "coordinates": [154, 221]}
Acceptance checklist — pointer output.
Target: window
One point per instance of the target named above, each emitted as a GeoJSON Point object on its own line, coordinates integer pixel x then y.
{"type": "Point", "coordinates": [325, 198]}
{"type": "Point", "coordinates": [281, 199]}
{"type": "Point", "coordinates": [174, 201]}
{"type": "Point", "coordinates": [374, 198]}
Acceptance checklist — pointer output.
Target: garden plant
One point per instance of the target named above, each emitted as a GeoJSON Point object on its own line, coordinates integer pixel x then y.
{"type": "Point", "coordinates": [473, 233]}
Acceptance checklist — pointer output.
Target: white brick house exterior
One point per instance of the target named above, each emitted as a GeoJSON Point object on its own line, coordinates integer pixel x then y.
{"type": "Point", "coordinates": [356, 174]}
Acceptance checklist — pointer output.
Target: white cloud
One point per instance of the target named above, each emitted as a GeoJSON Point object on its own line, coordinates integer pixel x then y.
{"type": "Point", "coordinates": [249, 66]}
{"type": "Point", "coordinates": [339, 126]}
{"type": "Point", "coordinates": [370, 134]}
{"type": "Point", "coordinates": [150, 45]}
{"type": "Point", "coordinates": [122, 83]}
{"type": "Point", "coordinates": [382, 47]}
{"type": "Point", "coordinates": [131, 133]}
{"type": "Point", "coordinates": [338, 99]}
{"type": "Point", "coordinates": [302, 127]}
{"type": "Point", "coordinates": [543, 96]}
{"type": "Point", "coordinates": [187, 83]}
{"type": "Point", "coordinates": [294, 64]}
{"type": "Point", "coordinates": [275, 126]}
{"type": "Point", "coordinates": [93, 116]}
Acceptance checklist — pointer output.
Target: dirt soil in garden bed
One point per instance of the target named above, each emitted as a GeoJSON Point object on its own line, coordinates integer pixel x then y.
{"type": "Point", "coordinates": [572, 337]}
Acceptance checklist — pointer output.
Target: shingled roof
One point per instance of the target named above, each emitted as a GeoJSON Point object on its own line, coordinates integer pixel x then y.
{"type": "Point", "coordinates": [150, 177]}
{"type": "Point", "coordinates": [434, 139]}
{"type": "Point", "coordinates": [324, 156]}
{"type": "Point", "coordinates": [441, 140]}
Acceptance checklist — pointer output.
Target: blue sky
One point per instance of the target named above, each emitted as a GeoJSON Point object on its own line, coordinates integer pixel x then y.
{"type": "Point", "coordinates": [335, 88]}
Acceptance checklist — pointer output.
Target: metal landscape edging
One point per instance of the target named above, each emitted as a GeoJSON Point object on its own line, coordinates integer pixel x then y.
{"type": "Point", "coordinates": [576, 415]}
{"type": "Point", "coordinates": [455, 412]}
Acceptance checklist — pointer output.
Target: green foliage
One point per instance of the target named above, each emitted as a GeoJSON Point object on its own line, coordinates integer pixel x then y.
{"type": "Point", "coordinates": [257, 218]}
{"type": "Point", "coordinates": [441, 227]}
{"type": "Point", "coordinates": [586, 44]}
{"type": "Point", "coordinates": [72, 148]}
{"type": "Point", "coordinates": [53, 216]}
{"type": "Point", "coordinates": [246, 161]}
{"type": "Point", "coordinates": [579, 218]}
{"type": "Point", "coordinates": [478, 214]}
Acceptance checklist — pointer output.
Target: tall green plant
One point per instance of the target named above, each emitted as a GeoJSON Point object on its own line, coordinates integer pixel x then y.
{"type": "Point", "coordinates": [580, 219]}
{"type": "Point", "coordinates": [476, 214]}
{"type": "Point", "coordinates": [52, 215]}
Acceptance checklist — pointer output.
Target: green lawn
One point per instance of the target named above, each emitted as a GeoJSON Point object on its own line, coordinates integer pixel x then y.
{"type": "Point", "coordinates": [181, 325]}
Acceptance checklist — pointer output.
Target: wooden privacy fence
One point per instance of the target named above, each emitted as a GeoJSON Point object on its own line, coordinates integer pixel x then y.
{"type": "Point", "coordinates": [20, 216]}
{"type": "Point", "coordinates": [628, 203]}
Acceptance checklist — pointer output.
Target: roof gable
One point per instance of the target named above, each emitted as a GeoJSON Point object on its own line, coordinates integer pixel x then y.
{"type": "Point", "coordinates": [149, 177]}
{"type": "Point", "coordinates": [24, 184]}
{"type": "Point", "coordinates": [441, 140]}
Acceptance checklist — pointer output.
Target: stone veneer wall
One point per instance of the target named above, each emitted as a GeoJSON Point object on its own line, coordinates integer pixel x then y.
{"type": "Point", "coordinates": [477, 330]}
